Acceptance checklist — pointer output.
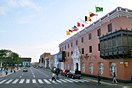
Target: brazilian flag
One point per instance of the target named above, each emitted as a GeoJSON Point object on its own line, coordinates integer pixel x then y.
{"type": "Point", "coordinates": [99, 9]}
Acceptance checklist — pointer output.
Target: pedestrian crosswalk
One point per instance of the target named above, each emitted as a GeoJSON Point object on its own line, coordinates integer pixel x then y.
{"type": "Point", "coordinates": [40, 81]}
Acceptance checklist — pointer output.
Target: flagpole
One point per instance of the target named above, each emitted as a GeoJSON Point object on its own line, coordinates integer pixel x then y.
{"type": "Point", "coordinates": [96, 12]}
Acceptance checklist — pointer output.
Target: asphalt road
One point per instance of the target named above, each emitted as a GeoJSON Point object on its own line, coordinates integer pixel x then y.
{"type": "Point", "coordinates": [41, 78]}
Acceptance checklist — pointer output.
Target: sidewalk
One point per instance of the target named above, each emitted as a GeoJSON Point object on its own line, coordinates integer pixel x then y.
{"type": "Point", "coordinates": [109, 82]}
{"type": "Point", "coordinates": [3, 74]}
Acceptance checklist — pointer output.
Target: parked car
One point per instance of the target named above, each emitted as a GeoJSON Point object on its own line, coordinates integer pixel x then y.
{"type": "Point", "coordinates": [25, 70]}
{"type": "Point", "coordinates": [74, 74]}
{"type": "Point", "coordinates": [64, 72]}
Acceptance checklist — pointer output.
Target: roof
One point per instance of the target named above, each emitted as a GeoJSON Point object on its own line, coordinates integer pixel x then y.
{"type": "Point", "coordinates": [118, 12]}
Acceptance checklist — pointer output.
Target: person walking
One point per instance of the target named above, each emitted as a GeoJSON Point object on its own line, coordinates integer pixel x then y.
{"type": "Point", "coordinates": [57, 73]}
{"type": "Point", "coordinates": [114, 78]}
{"type": "Point", "coordinates": [99, 79]}
{"type": "Point", "coordinates": [53, 77]}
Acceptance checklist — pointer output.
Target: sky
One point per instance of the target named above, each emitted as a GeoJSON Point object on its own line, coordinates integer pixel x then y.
{"type": "Point", "coordinates": [32, 27]}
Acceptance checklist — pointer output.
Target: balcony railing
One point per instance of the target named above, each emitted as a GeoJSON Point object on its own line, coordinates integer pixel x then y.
{"type": "Point", "coordinates": [120, 51]}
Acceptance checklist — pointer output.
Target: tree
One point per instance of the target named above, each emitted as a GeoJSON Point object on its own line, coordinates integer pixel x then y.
{"type": "Point", "coordinates": [7, 57]}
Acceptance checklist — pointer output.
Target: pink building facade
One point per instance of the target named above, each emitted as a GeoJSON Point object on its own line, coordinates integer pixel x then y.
{"type": "Point", "coordinates": [90, 50]}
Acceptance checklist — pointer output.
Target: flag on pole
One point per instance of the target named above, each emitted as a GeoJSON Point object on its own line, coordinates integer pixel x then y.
{"type": "Point", "coordinates": [87, 18]}
{"type": "Point", "coordinates": [99, 9]}
{"type": "Point", "coordinates": [92, 14]}
{"type": "Point", "coordinates": [70, 30]}
{"type": "Point", "coordinates": [75, 28]}
{"type": "Point", "coordinates": [79, 24]}
{"type": "Point", "coordinates": [68, 33]}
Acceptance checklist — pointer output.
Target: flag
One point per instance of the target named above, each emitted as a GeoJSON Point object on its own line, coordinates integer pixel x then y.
{"type": "Point", "coordinates": [79, 24]}
{"type": "Point", "coordinates": [82, 25]}
{"type": "Point", "coordinates": [68, 33]}
{"type": "Point", "coordinates": [70, 30]}
{"type": "Point", "coordinates": [92, 14]}
{"type": "Point", "coordinates": [75, 28]}
{"type": "Point", "coordinates": [99, 9]}
{"type": "Point", "coordinates": [87, 18]}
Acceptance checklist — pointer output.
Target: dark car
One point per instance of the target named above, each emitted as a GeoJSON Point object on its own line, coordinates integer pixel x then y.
{"type": "Point", "coordinates": [74, 74]}
{"type": "Point", "coordinates": [64, 72]}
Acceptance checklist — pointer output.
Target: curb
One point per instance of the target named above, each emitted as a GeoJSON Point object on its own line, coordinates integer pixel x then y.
{"type": "Point", "coordinates": [112, 84]}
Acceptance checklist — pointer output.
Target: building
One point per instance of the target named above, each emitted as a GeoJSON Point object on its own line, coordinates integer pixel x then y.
{"type": "Point", "coordinates": [56, 60]}
{"type": "Point", "coordinates": [44, 60]}
{"type": "Point", "coordinates": [103, 47]}
{"type": "Point", "coordinates": [25, 61]}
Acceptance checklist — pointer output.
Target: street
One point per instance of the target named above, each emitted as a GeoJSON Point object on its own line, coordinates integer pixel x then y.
{"type": "Point", "coordinates": [41, 78]}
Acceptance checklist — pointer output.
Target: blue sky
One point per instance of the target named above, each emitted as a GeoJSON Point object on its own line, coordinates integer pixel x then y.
{"type": "Point", "coordinates": [32, 27]}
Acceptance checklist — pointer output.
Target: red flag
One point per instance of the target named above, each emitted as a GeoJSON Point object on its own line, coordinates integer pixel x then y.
{"type": "Point", "coordinates": [78, 24]}
{"type": "Point", "coordinates": [82, 25]}
{"type": "Point", "coordinates": [70, 30]}
{"type": "Point", "coordinates": [75, 28]}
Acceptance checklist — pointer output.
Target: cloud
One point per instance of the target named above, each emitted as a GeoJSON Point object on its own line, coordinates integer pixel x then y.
{"type": "Point", "coordinates": [124, 3]}
{"type": "Point", "coordinates": [9, 5]}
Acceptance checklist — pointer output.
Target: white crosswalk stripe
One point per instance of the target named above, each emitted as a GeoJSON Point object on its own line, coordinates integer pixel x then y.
{"type": "Point", "coordinates": [28, 81]}
{"type": "Point", "coordinates": [2, 81]}
{"type": "Point", "coordinates": [46, 81]}
{"type": "Point", "coordinates": [40, 81]}
{"type": "Point", "coordinates": [34, 80]}
{"type": "Point", "coordinates": [15, 81]}
{"type": "Point", "coordinates": [63, 80]}
{"type": "Point", "coordinates": [9, 81]}
{"type": "Point", "coordinates": [21, 81]}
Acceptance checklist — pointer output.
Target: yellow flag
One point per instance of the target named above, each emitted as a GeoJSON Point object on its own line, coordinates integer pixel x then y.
{"type": "Point", "coordinates": [68, 33]}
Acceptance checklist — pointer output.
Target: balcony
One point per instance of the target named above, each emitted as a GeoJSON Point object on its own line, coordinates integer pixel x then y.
{"type": "Point", "coordinates": [116, 45]}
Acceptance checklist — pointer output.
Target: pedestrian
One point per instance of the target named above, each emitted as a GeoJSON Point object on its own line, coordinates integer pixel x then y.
{"type": "Point", "coordinates": [53, 77]}
{"type": "Point", "coordinates": [114, 78]}
{"type": "Point", "coordinates": [15, 70]}
{"type": "Point", "coordinates": [57, 73]}
{"type": "Point", "coordinates": [99, 79]}
{"type": "Point", "coordinates": [6, 71]}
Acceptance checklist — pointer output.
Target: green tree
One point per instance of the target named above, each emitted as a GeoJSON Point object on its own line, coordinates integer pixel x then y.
{"type": "Point", "coordinates": [7, 57]}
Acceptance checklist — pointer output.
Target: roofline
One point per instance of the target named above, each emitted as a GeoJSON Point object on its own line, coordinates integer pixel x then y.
{"type": "Point", "coordinates": [118, 12]}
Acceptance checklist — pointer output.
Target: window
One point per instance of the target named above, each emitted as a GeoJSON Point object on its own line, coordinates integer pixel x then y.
{"type": "Point", "coordinates": [68, 46]}
{"type": "Point", "coordinates": [76, 42]}
{"type": "Point", "coordinates": [71, 44]}
{"type": "Point", "coordinates": [91, 68]}
{"type": "Point", "coordinates": [82, 39]}
{"type": "Point", "coordinates": [65, 47]}
{"type": "Point", "coordinates": [101, 68]}
{"type": "Point", "coordinates": [112, 68]}
{"type": "Point", "coordinates": [99, 32]}
{"type": "Point", "coordinates": [82, 50]}
{"type": "Point", "coordinates": [60, 49]}
{"type": "Point", "coordinates": [110, 27]}
{"type": "Point", "coordinates": [90, 49]}
{"type": "Point", "coordinates": [99, 47]}
{"type": "Point", "coordinates": [83, 67]}
{"type": "Point", "coordinates": [89, 36]}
